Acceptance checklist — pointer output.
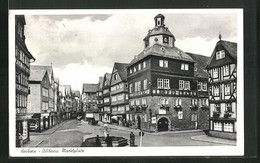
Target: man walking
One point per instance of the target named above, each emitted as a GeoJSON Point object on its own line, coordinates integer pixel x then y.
{"type": "Point", "coordinates": [132, 139]}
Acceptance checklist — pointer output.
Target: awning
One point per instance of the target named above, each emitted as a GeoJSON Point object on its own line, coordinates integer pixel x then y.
{"type": "Point", "coordinates": [114, 117]}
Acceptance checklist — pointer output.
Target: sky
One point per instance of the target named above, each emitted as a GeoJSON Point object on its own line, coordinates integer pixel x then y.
{"type": "Point", "coordinates": [83, 47]}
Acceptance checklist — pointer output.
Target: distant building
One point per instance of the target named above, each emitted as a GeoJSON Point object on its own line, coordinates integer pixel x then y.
{"type": "Point", "coordinates": [163, 85]}
{"type": "Point", "coordinates": [106, 98]}
{"type": "Point", "coordinates": [222, 70]}
{"type": "Point", "coordinates": [100, 98]}
{"type": "Point", "coordinates": [119, 94]}
{"type": "Point", "coordinates": [51, 91]}
{"type": "Point", "coordinates": [57, 99]}
{"type": "Point", "coordinates": [89, 100]}
{"type": "Point", "coordinates": [76, 103]}
{"type": "Point", "coordinates": [66, 100]}
{"type": "Point", "coordinates": [23, 58]}
{"type": "Point", "coordinates": [38, 100]}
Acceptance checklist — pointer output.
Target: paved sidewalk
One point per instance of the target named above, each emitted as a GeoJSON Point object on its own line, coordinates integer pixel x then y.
{"type": "Point", "coordinates": [50, 130]}
{"type": "Point", "coordinates": [117, 127]}
{"type": "Point", "coordinates": [206, 138]}
{"type": "Point", "coordinates": [37, 138]}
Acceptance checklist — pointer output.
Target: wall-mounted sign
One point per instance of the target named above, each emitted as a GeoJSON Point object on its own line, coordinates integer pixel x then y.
{"type": "Point", "coordinates": [25, 130]}
{"type": "Point", "coordinates": [153, 120]}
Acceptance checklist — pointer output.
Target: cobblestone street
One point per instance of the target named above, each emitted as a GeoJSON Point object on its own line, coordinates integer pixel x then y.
{"type": "Point", "coordinates": [70, 134]}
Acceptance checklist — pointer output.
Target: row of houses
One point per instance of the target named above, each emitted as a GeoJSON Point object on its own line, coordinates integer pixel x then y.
{"type": "Point", "coordinates": [164, 88]}
{"type": "Point", "coordinates": [41, 102]}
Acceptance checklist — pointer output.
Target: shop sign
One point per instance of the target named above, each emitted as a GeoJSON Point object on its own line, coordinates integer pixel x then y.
{"type": "Point", "coordinates": [153, 120]}
{"type": "Point", "coordinates": [90, 115]}
{"type": "Point", "coordinates": [25, 130]}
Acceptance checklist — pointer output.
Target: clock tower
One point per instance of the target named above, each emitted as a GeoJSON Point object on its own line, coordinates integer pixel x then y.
{"type": "Point", "coordinates": [159, 34]}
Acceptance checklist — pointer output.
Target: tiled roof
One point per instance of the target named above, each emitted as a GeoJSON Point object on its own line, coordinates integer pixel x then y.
{"type": "Point", "coordinates": [201, 63]}
{"type": "Point", "coordinates": [47, 68]}
{"type": "Point", "coordinates": [90, 88]}
{"type": "Point", "coordinates": [162, 51]}
{"type": "Point", "coordinates": [159, 31]}
{"type": "Point", "coordinates": [122, 70]}
{"type": "Point", "coordinates": [36, 74]}
{"type": "Point", "coordinates": [231, 47]}
{"type": "Point", "coordinates": [76, 93]}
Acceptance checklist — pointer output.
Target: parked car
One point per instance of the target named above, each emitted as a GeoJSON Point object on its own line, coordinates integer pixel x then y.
{"type": "Point", "coordinates": [34, 125]}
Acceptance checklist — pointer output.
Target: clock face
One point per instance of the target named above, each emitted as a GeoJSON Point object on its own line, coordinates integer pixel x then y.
{"type": "Point", "coordinates": [165, 39]}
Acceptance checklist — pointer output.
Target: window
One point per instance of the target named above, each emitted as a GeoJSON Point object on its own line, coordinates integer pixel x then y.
{"type": "Point", "coordinates": [137, 102]}
{"type": "Point", "coordinates": [178, 102]}
{"type": "Point", "coordinates": [216, 91]}
{"type": "Point", "coordinates": [217, 126]}
{"type": "Point", "coordinates": [134, 69]}
{"type": "Point", "coordinates": [180, 115]}
{"type": "Point", "coordinates": [144, 64]}
{"type": "Point", "coordinates": [163, 83]}
{"type": "Point", "coordinates": [220, 54]}
{"type": "Point", "coordinates": [130, 88]}
{"type": "Point", "coordinates": [229, 107]}
{"type": "Point", "coordinates": [228, 127]}
{"type": "Point", "coordinates": [187, 85]}
{"type": "Point", "coordinates": [137, 86]}
{"type": "Point", "coordinates": [113, 98]}
{"type": "Point", "coordinates": [195, 67]}
{"type": "Point", "coordinates": [145, 84]}
{"type": "Point", "coordinates": [204, 86]}
{"type": "Point", "coordinates": [226, 70]}
{"type": "Point", "coordinates": [132, 102]}
{"type": "Point", "coordinates": [139, 66]}
{"type": "Point", "coordinates": [106, 99]}
{"type": "Point", "coordinates": [199, 86]}
{"type": "Point", "coordinates": [131, 71]}
{"type": "Point", "coordinates": [115, 76]}
{"type": "Point", "coordinates": [120, 97]}
{"type": "Point", "coordinates": [217, 107]}
{"type": "Point", "coordinates": [215, 73]}
{"type": "Point", "coordinates": [227, 89]}
{"type": "Point", "coordinates": [165, 39]}
{"type": "Point", "coordinates": [194, 117]}
{"type": "Point", "coordinates": [166, 83]}
{"type": "Point", "coordinates": [184, 66]}
{"type": "Point", "coordinates": [159, 83]}
{"type": "Point", "coordinates": [163, 63]}
{"type": "Point", "coordinates": [144, 101]}
{"type": "Point", "coordinates": [126, 96]}
{"type": "Point", "coordinates": [45, 92]}
{"type": "Point", "coordinates": [181, 84]}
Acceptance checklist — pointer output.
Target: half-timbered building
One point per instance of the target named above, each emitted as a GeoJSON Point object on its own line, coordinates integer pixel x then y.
{"type": "Point", "coordinates": [119, 94]}
{"type": "Point", "coordinates": [106, 98]}
{"type": "Point", "coordinates": [23, 58]}
{"type": "Point", "coordinates": [163, 88]}
{"type": "Point", "coordinates": [222, 89]}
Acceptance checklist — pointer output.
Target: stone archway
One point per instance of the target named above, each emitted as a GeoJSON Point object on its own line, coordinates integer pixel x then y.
{"type": "Point", "coordinates": [166, 117]}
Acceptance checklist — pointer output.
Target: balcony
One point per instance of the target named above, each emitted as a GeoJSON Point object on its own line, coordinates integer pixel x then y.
{"type": "Point", "coordinates": [165, 107]}
{"type": "Point", "coordinates": [193, 107]}
{"type": "Point", "coordinates": [177, 107]}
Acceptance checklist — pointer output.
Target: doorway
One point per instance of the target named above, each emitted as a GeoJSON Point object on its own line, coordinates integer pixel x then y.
{"type": "Point", "coordinates": [138, 122]}
{"type": "Point", "coordinates": [163, 124]}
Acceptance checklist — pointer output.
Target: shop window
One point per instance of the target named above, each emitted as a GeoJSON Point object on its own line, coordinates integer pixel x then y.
{"type": "Point", "coordinates": [228, 127]}
{"type": "Point", "coordinates": [217, 126]}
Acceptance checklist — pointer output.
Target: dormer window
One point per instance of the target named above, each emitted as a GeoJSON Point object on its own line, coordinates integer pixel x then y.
{"type": "Point", "coordinates": [115, 76]}
{"type": "Point", "coordinates": [220, 54]}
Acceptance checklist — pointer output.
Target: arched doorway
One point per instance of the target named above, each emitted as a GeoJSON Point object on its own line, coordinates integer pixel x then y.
{"type": "Point", "coordinates": [163, 124]}
{"type": "Point", "coordinates": [138, 122]}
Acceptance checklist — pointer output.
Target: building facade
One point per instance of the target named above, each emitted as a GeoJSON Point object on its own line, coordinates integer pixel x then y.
{"type": "Point", "coordinates": [106, 98]}
{"type": "Point", "coordinates": [23, 58]}
{"type": "Point", "coordinates": [38, 100]}
{"type": "Point", "coordinates": [163, 92]}
{"type": "Point", "coordinates": [100, 99]}
{"type": "Point", "coordinates": [222, 70]}
{"type": "Point", "coordinates": [66, 101]}
{"type": "Point", "coordinates": [89, 100]}
{"type": "Point", "coordinates": [119, 94]}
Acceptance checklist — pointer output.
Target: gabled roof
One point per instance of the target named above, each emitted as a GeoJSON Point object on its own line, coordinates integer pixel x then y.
{"type": "Point", "coordinates": [201, 63]}
{"type": "Point", "coordinates": [91, 88]}
{"type": "Point", "coordinates": [230, 47]}
{"type": "Point", "coordinates": [76, 93]}
{"type": "Point", "coordinates": [47, 68]}
{"type": "Point", "coordinates": [107, 77]}
{"type": "Point", "coordinates": [37, 74]}
{"type": "Point", "coordinates": [162, 51]}
{"type": "Point", "coordinates": [122, 70]}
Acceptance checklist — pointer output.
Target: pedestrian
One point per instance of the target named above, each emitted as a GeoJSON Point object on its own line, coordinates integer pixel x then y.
{"type": "Point", "coordinates": [105, 130]}
{"type": "Point", "coordinates": [132, 139]}
{"type": "Point", "coordinates": [98, 143]}
{"type": "Point", "coordinates": [109, 141]}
